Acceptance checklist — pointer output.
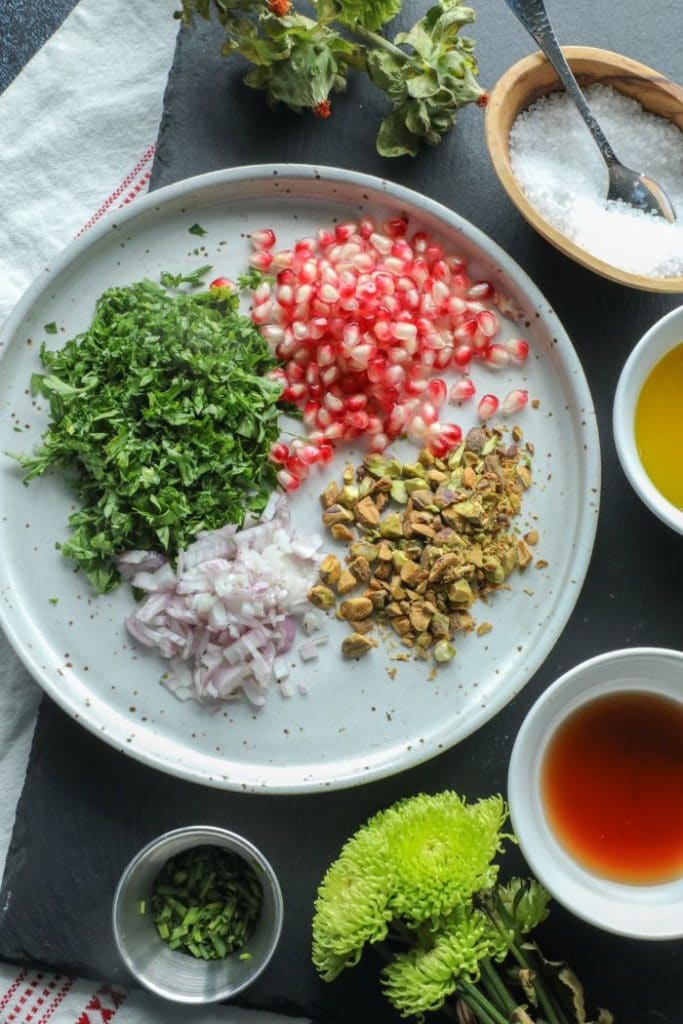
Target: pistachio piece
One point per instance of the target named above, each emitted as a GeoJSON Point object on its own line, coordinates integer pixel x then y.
{"type": "Point", "coordinates": [390, 527]}
{"type": "Point", "coordinates": [340, 531]}
{"type": "Point", "coordinates": [419, 618]}
{"type": "Point", "coordinates": [347, 475]}
{"type": "Point", "coordinates": [483, 628]}
{"type": "Point", "coordinates": [439, 626]}
{"type": "Point", "coordinates": [378, 466]}
{"type": "Point", "coordinates": [399, 493]}
{"type": "Point", "coordinates": [411, 572]}
{"type": "Point", "coordinates": [336, 514]}
{"type": "Point", "coordinates": [330, 494]}
{"type": "Point", "coordinates": [330, 569]}
{"type": "Point", "coordinates": [346, 582]}
{"type": "Point", "coordinates": [524, 476]}
{"type": "Point", "coordinates": [367, 512]}
{"type": "Point", "coordinates": [355, 608]}
{"type": "Point", "coordinates": [422, 498]}
{"type": "Point", "coordinates": [349, 495]}
{"type": "Point", "coordinates": [444, 566]}
{"type": "Point", "coordinates": [475, 439]}
{"type": "Point", "coordinates": [321, 597]}
{"type": "Point", "coordinates": [460, 592]}
{"type": "Point", "coordinates": [444, 652]}
{"type": "Point", "coordinates": [402, 625]}
{"type": "Point", "coordinates": [531, 538]}
{"type": "Point", "coordinates": [524, 554]}
{"type": "Point", "coordinates": [360, 567]}
{"type": "Point", "coordinates": [361, 549]}
{"type": "Point", "coordinates": [472, 510]}
{"type": "Point", "coordinates": [356, 645]}
{"type": "Point", "coordinates": [384, 552]}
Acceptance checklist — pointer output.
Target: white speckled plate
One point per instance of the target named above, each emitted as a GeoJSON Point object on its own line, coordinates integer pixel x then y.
{"type": "Point", "coordinates": [359, 721]}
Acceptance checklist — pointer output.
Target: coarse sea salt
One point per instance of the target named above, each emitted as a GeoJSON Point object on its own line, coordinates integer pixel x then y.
{"type": "Point", "coordinates": [559, 168]}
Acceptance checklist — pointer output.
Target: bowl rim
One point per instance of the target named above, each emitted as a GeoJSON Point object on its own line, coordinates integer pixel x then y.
{"type": "Point", "coordinates": [636, 369]}
{"type": "Point", "coordinates": [233, 841]}
{"type": "Point", "coordinates": [498, 151]}
{"type": "Point", "coordinates": [615, 907]}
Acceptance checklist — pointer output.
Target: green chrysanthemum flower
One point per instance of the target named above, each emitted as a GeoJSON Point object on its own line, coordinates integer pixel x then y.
{"type": "Point", "coordinates": [352, 904]}
{"type": "Point", "coordinates": [441, 851]}
{"type": "Point", "coordinates": [526, 901]}
{"type": "Point", "coordinates": [421, 980]}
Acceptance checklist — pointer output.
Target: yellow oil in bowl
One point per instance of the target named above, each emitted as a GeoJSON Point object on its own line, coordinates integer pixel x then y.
{"type": "Point", "coordinates": [659, 426]}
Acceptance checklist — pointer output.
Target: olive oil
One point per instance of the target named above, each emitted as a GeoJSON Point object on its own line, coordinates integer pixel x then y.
{"type": "Point", "coordinates": [659, 426]}
{"type": "Point", "coordinates": [612, 786]}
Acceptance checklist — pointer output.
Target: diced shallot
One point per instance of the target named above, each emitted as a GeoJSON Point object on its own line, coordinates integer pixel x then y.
{"type": "Point", "coordinates": [227, 613]}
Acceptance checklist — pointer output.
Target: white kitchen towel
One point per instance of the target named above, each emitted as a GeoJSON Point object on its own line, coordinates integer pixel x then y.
{"type": "Point", "coordinates": [78, 127]}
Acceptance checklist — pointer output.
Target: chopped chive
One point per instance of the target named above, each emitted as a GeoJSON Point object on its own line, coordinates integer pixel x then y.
{"type": "Point", "coordinates": [206, 902]}
{"type": "Point", "coordinates": [142, 906]}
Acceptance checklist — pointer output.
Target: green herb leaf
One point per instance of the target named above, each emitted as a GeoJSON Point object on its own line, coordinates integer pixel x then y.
{"type": "Point", "coordinates": [370, 14]}
{"type": "Point", "coordinates": [197, 229]}
{"type": "Point", "coordinates": [162, 417]}
{"type": "Point", "coordinates": [50, 328]}
{"type": "Point", "coordinates": [194, 278]}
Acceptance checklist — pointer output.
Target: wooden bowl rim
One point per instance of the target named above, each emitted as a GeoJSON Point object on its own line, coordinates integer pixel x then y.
{"type": "Point", "coordinates": [497, 146]}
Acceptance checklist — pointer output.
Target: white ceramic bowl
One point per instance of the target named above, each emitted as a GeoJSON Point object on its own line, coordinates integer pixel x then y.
{"type": "Point", "coordinates": [173, 975]}
{"type": "Point", "coordinates": [662, 337]}
{"type": "Point", "coordinates": [638, 911]}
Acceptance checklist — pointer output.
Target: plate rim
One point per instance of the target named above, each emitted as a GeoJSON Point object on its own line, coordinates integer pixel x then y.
{"type": "Point", "coordinates": [587, 524]}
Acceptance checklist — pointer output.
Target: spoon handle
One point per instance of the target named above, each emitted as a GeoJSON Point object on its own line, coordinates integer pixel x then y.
{"type": "Point", "coordinates": [534, 16]}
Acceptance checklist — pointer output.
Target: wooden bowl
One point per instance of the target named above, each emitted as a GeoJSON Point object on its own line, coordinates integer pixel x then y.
{"type": "Point", "coordinates": [533, 77]}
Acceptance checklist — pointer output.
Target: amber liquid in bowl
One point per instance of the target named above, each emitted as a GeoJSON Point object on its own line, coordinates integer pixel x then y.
{"type": "Point", "coordinates": [659, 426]}
{"type": "Point", "coordinates": [612, 787]}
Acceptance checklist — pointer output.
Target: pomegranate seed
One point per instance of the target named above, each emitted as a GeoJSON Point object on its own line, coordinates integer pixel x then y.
{"type": "Point", "coordinates": [463, 390]}
{"type": "Point", "coordinates": [310, 414]}
{"type": "Point", "coordinates": [438, 446]}
{"type": "Point", "coordinates": [279, 452]}
{"type": "Point", "coordinates": [309, 454]}
{"type": "Point", "coordinates": [261, 259]}
{"type": "Point", "coordinates": [323, 418]}
{"type": "Point", "coordinates": [329, 375]}
{"type": "Point", "coordinates": [273, 333]}
{"type": "Point", "coordinates": [222, 282]}
{"type": "Point", "coordinates": [262, 313]}
{"type": "Point", "coordinates": [441, 271]}
{"type": "Point", "coordinates": [487, 407]}
{"type": "Point", "coordinates": [466, 330]}
{"type": "Point", "coordinates": [487, 323]}
{"type": "Point", "coordinates": [378, 442]}
{"type": "Point", "coordinates": [325, 238]}
{"type": "Point", "coordinates": [417, 427]}
{"type": "Point", "coordinates": [356, 402]}
{"type": "Point", "coordinates": [357, 420]}
{"type": "Point", "coordinates": [513, 402]}
{"type": "Point", "coordinates": [450, 433]}
{"type": "Point", "coordinates": [305, 246]}
{"type": "Point", "coordinates": [288, 481]}
{"type": "Point", "coordinates": [481, 290]}
{"type": "Point", "coordinates": [419, 241]}
{"type": "Point", "coordinates": [334, 431]}
{"type": "Point", "coordinates": [380, 242]}
{"type": "Point", "coordinates": [497, 356]}
{"type": "Point", "coordinates": [462, 355]}
{"type": "Point", "coordinates": [395, 227]}
{"type": "Point", "coordinates": [312, 373]}
{"type": "Point", "coordinates": [326, 453]}
{"type": "Point", "coordinates": [343, 232]}
{"type": "Point", "coordinates": [437, 391]}
{"type": "Point", "coordinates": [430, 413]}
{"type": "Point", "coordinates": [333, 403]}
{"type": "Point", "coordinates": [518, 350]}
{"type": "Point", "coordinates": [264, 238]}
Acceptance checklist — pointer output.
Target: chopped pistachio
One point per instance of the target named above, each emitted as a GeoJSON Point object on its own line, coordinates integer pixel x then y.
{"type": "Point", "coordinates": [360, 567]}
{"type": "Point", "coordinates": [349, 495]}
{"type": "Point", "coordinates": [399, 493]}
{"type": "Point", "coordinates": [444, 652]}
{"type": "Point", "coordinates": [321, 597]}
{"type": "Point", "coordinates": [330, 569]}
{"type": "Point", "coordinates": [340, 531]}
{"type": "Point", "coordinates": [356, 645]}
{"type": "Point", "coordinates": [346, 582]}
{"type": "Point", "coordinates": [483, 628]}
{"type": "Point", "coordinates": [330, 494]}
{"type": "Point", "coordinates": [367, 512]}
{"type": "Point", "coordinates": [391, 527]}
{"type": "Point", "coordinates": [356, 608]}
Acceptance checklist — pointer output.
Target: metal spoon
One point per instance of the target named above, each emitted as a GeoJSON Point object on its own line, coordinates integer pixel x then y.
{"type": "Point", "coordinates": [635, 189]}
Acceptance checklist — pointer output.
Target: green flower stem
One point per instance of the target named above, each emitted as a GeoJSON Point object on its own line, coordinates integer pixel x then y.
{"type": "Point", "coordinates": [548, 1004]}
{"type": "Point", "coordinates": [375, 40]}
{"type": "Point", "coordinates": [497, 988]}
{"type": "Point", "coordinates": [480, 1005]}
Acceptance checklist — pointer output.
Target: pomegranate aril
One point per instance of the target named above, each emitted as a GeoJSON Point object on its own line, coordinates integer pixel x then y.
{"type": "Point", "coordinates": [429, 413]}
{"type": "Point", "coordinates": [264, 238]}
{"type": "Point", "coordinates": [312, 373]}
{"type": "Point", "coordinates": [481, 290]}
{"type": "Point", "coordinates": [343, 232]}
{"type": "Point", "coordinates": [380, 242]}
{"type": "Point", "coordinates": [513, 402]}
{"type": "Point", "coordinates": [488, 406]}
{"type": "Point", "coordinates": [310, 414]}
{"type": "Point", "coordinates": [356, 402]}
{"type": "Point", "coordinates": [288, 481]}
{"type": "Point", "coordinates": [279, 452]}
{"type": "Point", "coordinates": [326, 453]}
{"type": "Point", "coordinates": [329, 375]}
{"type": "Point", "coordinates": [462, 390]}
{"type": "Point", "coordinates": [450, 433]}
{"type": "Point", "coordinates": [518, 350]}
{"type": "Point", "coordinates": [395, 227]}
{"type": "Point", "coordinates": [466, 330]}
{"type": "Point", "coordinates": [261, 259]}
{"type": "Point", "coordinates": [497, 356]}
{"type": "Point", "coordinates": [222, 282]}
{"type": "Point", "coordinates": [273, 333]}
{"type": "Point", "coordinates": [462, 355]}
{"type": "Point", "coordinates": [437, 390]}
{"type": "Point", "coordinates": [262, 313]}
{"type": "Point", "coordinates": [357, 420]}
{"type": "Point", "coordinates": [309, 454]}
{"type": "Point", "coordinates": [333, 403]}
{"type": "Point", "coordinates": [378, 442]}
{"type": "Point", "coordinates": [487, 323]}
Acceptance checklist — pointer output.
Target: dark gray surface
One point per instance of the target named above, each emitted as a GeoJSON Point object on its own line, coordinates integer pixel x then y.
{"type": "Point", "coordinates": [24, 26]}
{"type": "Point", "coordinates": [85, 809]}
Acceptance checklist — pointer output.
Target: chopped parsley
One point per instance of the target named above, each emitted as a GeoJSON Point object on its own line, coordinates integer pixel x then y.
{"type": "Point", "coordinates": [50, 328]}
{"type": "Point", "coordinates": [197, 229]}
{"type": "Point", "coordinates": [162, 416]}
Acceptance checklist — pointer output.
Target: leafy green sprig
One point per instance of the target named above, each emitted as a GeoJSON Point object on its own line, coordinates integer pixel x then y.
{"type": "Point", "coordinates": [427, 73]}
{"type": "Point", "coordinates": [162, 415]}
{"type": "Point", "coordinates": [419, 882]}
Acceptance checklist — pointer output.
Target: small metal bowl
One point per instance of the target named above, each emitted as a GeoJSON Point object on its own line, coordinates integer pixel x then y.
{"type": "Point", "coordinates": [177, 976]}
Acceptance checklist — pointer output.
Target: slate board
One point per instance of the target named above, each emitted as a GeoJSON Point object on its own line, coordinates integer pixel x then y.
{"type": "Point", "coordinates": [86, 809]}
